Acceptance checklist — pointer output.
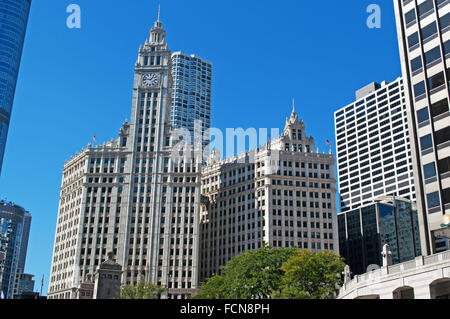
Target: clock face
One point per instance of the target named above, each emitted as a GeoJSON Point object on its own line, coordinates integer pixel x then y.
{"type": "Point", "coordinates": [150, 79]}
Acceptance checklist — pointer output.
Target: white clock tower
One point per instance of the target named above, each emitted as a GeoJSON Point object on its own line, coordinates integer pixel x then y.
{"type": "Point", "coordinates": [130, 198]}
{"type": "Point", "coordinates": [163, 194]}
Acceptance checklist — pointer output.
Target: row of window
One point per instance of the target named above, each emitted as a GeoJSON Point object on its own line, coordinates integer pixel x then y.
{"type": "Point", "coordinates": [370, 100]}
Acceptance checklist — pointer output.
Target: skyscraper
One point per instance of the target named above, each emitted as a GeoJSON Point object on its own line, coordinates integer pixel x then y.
{"type": "Point", "coordinates": [13, 24]}
{"type": "Point", "coordinates": [365, 230]}
{"type": "Point", "coordinates": [373, 146]}
{"type": "Point", "coordinates": [132, 197]}
{"type": "Point", "coordinates": [191, 94]}
{"type": "Point", "coordinates": [282, 194]}
{"type": "Point", "coordinates": [424, 40]}
{"type": "Point", "coordinates": [14, 233]}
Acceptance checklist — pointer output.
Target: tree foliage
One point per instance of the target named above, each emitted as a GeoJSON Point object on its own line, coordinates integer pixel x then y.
{"type": "Point", "coordinates": [254, 274]}
{"type": "Point", "coordinates": [311, 276]}
{"type": "Point", "coordinates": [213, 288]}
{"type": "Point", "coordinates": [142, 290]}
{"type": "Point", "coordinates": [283, 273]}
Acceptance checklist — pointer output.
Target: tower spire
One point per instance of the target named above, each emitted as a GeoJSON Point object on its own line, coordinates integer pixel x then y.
{"type": "Point", "coordinates": [157, 34]}
{"type": "Point", "coordinates": [159, 12]}
{"type": "Point", "coordinates": [293, 105]}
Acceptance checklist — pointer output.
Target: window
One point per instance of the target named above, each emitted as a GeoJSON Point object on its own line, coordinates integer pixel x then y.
{"type": "Point", "coordinates": [413, 39]}
{"type": "Point", "coordinates": [429, 31]}
{"type": "Point", "coordinates": [439, 107]}
{"type": "Point", "coordinates": [429, 170]}
{"type": "Point", "coordinates": [433, 200]}
{"type": "Point", "coordinates": [446, 196]}
{"type": "Point", "coordinates": [425, 7]}
{"type": "Point", "coordinates": [410, 16]}
{"type": "Point", "coordinates": [432, 55]}
{"type": "Point", "coordinates": [426, 142]}
{"type": "Point", "coordinates": [419, 89]}
{"type": "Point", "coordinates": [447, 47]}
{"type": "Point", "coordinates": [442, 136]}
{"type": "Point", "coordinates": [444, 165]}
{"type": "Point", "coordinates": [436, 80]}
{"type": "Point", "coordinates": [445, 21]}
{"type": "Point", "coordinates": [416, 63]}
{"type": "Point", "coordinates": [423, 115]}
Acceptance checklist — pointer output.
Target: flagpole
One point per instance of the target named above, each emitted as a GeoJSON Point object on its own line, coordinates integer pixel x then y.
{"type": "Point", "coordinates": [42, 284]}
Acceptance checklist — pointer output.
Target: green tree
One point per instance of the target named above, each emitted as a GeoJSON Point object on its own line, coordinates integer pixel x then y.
{"type": "Point", "coordinates": [254, 274]}
{"type": "Point", "coordinates": [142, 290]}
{"type": "Point", "coordinates": [311, 276]}
{"type": "Point", "coordinates": [213, 288]}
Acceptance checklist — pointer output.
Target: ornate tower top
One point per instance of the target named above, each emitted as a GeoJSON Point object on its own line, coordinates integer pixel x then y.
{"type": "Point", "coordinates": [294, 120]}
{"type": "Point", "coordinates": [157, 33]}
{"type": "Point", "coordinates": [294, 116]}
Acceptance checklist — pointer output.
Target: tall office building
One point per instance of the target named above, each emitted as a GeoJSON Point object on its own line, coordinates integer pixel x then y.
{"type": "Point", "coordinates": [282, 194]}
{"type": "Point", "coordinates": [132, 196]}
{"type": "Point", "coordinates": [373, 146]}
{"type": "Point", "coordinates": [14, 234]}
{"type": "Point", "coordinates": [191, 93]}
{"type": "Point", "coordinates": [13, 24]}
{"type": "Point", "coordinates": [365, 230]}
{"type": "Point", "coordinates": [24, 286]}
{"type": "Point", "coordinates": [424, 40]}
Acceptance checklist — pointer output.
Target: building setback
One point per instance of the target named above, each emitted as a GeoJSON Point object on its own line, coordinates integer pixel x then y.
{"type": "Point", "coordinates": [424, 40]}
{"type": "Point", "coordinates": [373, 146]}
{"type": "Point", "coordinates": [131, 197]}
{"type": "Point", "coordinates": [282, 194]}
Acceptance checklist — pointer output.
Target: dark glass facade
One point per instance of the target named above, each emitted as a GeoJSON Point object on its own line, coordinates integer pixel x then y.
{"type": "Point", "coordinates": [14, 233]}
{"type": "Point", "coordinates": [13, 24]}
{"type": "Point", "coordinates": [364, 231]}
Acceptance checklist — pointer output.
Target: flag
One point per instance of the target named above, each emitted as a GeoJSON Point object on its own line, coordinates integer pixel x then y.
{"type": "Point", "coordinates": [328, 143]}
{"type": "Point", "coordinates": [94, 139]}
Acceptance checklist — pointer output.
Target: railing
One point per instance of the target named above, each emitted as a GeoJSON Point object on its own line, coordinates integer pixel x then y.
{"type": "Point", "coordinates": [430, 259]}
{"type": "Point", "coordinates": [446, 255]}
{"type": "Point", "coordinates": [395, 269]}
{"type": "Point", "coordinates": [409, 265]}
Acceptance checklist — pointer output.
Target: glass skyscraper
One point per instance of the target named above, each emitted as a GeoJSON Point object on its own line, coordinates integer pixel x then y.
{"type": "Point", "coordinates": [14, 234]}
{"type": "Point", "coordinates": [364, 231]}
{"type": "Point", "coordinates": [191, 94]}
{"type": "Point", "coordinates": [13, 25]}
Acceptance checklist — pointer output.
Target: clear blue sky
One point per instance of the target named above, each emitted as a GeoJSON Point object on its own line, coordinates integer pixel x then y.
{"type": "Point", "coordinates": [75, 84]}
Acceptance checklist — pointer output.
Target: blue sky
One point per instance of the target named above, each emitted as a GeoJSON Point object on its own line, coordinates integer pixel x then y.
{"type": "Point", "coordinates": [74, 84]}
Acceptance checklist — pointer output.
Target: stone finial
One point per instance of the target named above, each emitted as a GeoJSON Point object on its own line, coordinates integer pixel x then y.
{"type": "Point", "coordinates": [387, 256]}
{"type": "Point", "coordinates": [347, 274]}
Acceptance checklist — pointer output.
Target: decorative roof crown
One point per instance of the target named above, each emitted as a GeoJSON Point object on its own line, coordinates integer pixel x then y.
{"type": "Point", "coordinates": [157, 33]}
